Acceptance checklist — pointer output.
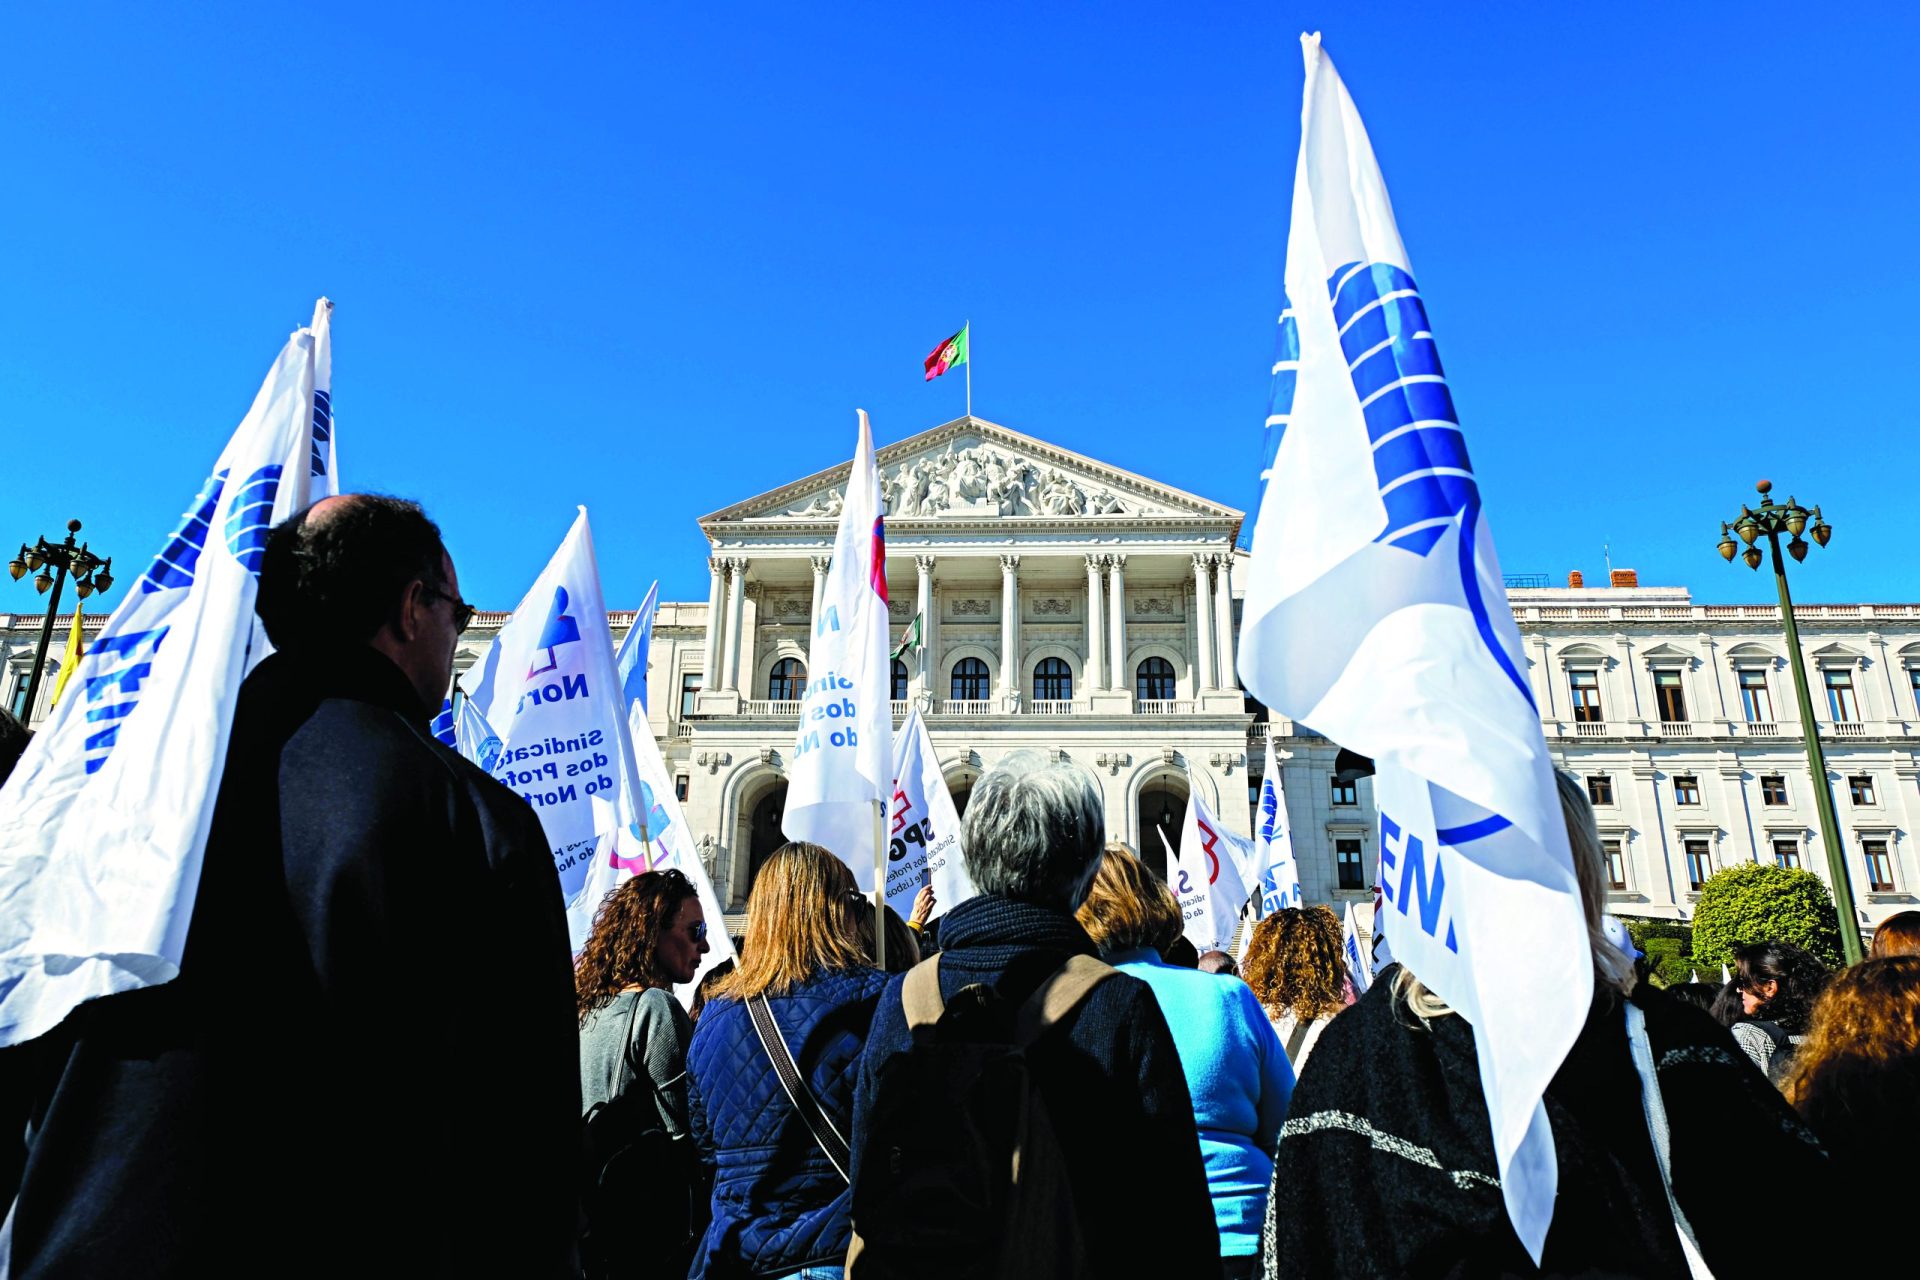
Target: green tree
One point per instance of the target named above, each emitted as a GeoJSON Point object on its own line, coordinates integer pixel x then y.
{"type": "Point", "coordinates": [1669, 950]}
{"type": "Point", "coordinates": [1753, 902]}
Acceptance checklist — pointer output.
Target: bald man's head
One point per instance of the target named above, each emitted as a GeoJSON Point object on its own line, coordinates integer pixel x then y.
{"type": "Point", "coordinates": [334, 574]}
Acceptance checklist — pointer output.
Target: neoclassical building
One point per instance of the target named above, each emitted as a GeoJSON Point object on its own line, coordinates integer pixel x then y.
{"type": "Point", "coordinates": [1076, 608]}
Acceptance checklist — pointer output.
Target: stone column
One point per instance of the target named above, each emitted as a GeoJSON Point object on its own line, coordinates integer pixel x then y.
{"type": "Point", "coordinates": [736, 609]}
{"type": "Point", "coordinates": [923, 668]}
{"type": "Point", "coordinates": [749, 634]}
{"type": "Point", "coordinates": [1223, 620]}
{"type": "Point", "coordinates": [820, 566]}
{"type": "Point", "coordinates": [710, 647]}
{"type": "Point", "coordinates": [1117, 623]}
{"type": "Point", "coordinates": [1094, 608]}
{"type": "Point", "coordinates": [1009, 626]}
{"type": "Point", "coordinates": [1203, 623]}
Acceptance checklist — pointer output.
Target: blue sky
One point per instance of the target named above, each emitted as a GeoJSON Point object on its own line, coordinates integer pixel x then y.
{"type": "Point", "coordinates": [649, 258]}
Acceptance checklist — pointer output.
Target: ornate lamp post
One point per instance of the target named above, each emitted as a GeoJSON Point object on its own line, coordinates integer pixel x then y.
{"type": "Point", "coordinates": [1771, 520]}
{"type": "Point", "coordinates": [89, 572]}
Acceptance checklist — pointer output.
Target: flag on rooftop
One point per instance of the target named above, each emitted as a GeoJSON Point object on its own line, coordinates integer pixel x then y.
{"type": "Point", "coordinates": [1375, 614]}
{"type": "Point", "coordinates": [105, 818]}
{"type": "Point", "coordinates": [948, 354]}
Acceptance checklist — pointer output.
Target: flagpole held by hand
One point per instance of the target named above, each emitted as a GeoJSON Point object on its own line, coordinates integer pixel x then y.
{"type": "Point", "coordinates": [880, 884]}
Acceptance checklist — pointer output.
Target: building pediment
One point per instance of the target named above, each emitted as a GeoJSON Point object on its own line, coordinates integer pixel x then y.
{"type": "Point", "coordinates": [970, 469]}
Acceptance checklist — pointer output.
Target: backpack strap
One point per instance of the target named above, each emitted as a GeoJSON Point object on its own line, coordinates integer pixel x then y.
{"type": "Point", "coordinates": [1058, 996]}
{"type": "Point", "coordinates": [920, 994]}
{"type": "Point", "coordinates": [1297, 1039]}
{"type": "Point", "coordinates": [818, 1122]}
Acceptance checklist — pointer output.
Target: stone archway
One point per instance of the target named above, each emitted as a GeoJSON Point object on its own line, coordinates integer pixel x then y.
{"type": "Point", "coordinates": [1162, 804]}
{"type": "Point", "coordinates": [764, 835]}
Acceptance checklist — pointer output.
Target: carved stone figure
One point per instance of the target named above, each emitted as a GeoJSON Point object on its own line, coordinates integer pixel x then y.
{"type": "Point", "coordinates": [1105, 503]}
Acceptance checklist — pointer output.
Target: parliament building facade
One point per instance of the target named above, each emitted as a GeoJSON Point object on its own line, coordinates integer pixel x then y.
{"type": "Point", "coordinates": [1080, 610]}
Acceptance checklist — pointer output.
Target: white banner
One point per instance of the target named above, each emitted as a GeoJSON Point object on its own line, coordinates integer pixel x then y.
{"type": "Point", "coordinates": [1375, 613]}
{"type": "Point", "coordinates": [923, 827]}
{"type": "Point", "coordinates": [1278, 877]}
{"type": "Point", "coordinates": [104, 822]}
{"type": "Point", "coordinates": [1207, 877]}
{"type": "Point", "coordinates": [1359, 954]}
{"type": "Point", "coordinates": [324, 465]}
{"type": "Point", "coordinates": [840, 771]}
{"type": "Point", "coordinates": [546, 686]}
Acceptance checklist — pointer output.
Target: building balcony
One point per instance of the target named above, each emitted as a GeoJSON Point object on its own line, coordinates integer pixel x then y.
{"type": "Point", "coordinates": [1755, 730]}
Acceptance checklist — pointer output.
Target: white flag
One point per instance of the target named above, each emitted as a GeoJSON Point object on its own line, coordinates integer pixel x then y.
{"type": "Point", "coordinates": [474, 738]}
{"type": "Point", "coordinates": [1725, 977]}
{"type": "Point", "coordinates": [324, 466]}
{"type": "Point", "coordinates": [547, 687]}
{"type": "Point", "coordinates": [1375, 614]}
{"type": "Point", "coordinates": [923, 827]}
{"type": "Point", "coordinates": [104, 821]}
{"type": "Point", "coordinates": [1207, 877]}
{"type": "Point", "coordinates": [841, 768]}
{"type": "Point", "coordinates": [1359, 962]}
{"type": "Point", "coordinates": [1278, 875]}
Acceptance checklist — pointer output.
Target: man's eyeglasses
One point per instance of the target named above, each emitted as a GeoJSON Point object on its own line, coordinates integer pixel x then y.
{"type": "Point", "coordinates": [462, 611]}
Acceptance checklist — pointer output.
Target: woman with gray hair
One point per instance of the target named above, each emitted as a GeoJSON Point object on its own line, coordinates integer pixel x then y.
{"type": "Point", "coordinates": [1107, 1070]}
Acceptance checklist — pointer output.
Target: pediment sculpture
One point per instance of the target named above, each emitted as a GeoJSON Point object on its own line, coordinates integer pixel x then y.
{"type": "Point", "coordinates": [973, 480]}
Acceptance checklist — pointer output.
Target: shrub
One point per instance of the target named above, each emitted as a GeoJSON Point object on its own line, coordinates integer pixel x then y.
{"type": "Point", "coordinates": [1669, 948]}
{"type": "Point", "coordinates": [1753, 902]}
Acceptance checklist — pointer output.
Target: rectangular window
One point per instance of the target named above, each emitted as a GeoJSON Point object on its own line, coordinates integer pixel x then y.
{"type": "Point", "coordinates": [1699, 863]}
{"type": "Point", "coordinates": [682, 784]}
{"type": "Point", "coordinates": [1756, 700]}
{"type": "Point", "coordinates": [1600, 789]}
{"type": "Point", "coordinates": [1345, 793]}
{"type": "Point", "coordinates": [1616, 864]}
{"type": "Point", "coordinates": [17, 703]}
{"type": "Point", "coordinates": [1913, 674]}
{"type": "Point", "coordinates": [1786, 853]}
{"type": "Point", "coordinates": [1773, 789]}
{"type": "Point", "coordinates": [1346, 853]}
{"type": "Point", "coordinates": [1669, 696]}
{"type": "Point", "coordinates": [1860, 788]}
{"type": "Point", "coordinates": [1879, 866]}
{"type": "Point", "coordinates": [1686, 789]}
{"type": "Point", "coordinates": [690, 685]}
{"type": "Point", "coordinates": [1585, 689]}
{"type": "Point", "coordinates": [1840, 703]}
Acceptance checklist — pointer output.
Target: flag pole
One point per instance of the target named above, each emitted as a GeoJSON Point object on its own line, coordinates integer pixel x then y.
{"type": "Point", "coordinates": [880, 884]}
{"type": "Point", "coordinates": [969, 329]}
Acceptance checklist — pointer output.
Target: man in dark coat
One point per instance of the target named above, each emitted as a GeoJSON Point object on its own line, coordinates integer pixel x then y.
{"type": "Point", "coordinates": [368, 1063]}
{"type": "Point", "coordinates": [1109, 1074]}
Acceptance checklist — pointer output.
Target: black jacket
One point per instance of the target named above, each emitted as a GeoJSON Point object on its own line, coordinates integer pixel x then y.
{"type": "Point", "coordinates": [1386, 1163]}
{"type": "Point", "coordinates": [369, 1062]}
{"type": "Point", "coordinates": [1112, 1082]}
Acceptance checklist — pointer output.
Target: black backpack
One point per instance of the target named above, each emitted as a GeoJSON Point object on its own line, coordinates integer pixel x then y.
{"type": "Point", "coordinates": [961, 1172]}
{"type": "Point", "coordinates": [641, 1191]}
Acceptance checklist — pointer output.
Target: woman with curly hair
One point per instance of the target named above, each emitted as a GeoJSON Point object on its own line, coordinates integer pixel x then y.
{"type": "Point", "coordinates": [1778, 984]}
{"type": "Point", "coordinates": [647, 938]}
{"type": "Point", "coordinates": [1856, 1082]}
{"type": "Point", "coordinates": [1237, 1073]}
{"type": "Point", "coordinates": [1295, 964]}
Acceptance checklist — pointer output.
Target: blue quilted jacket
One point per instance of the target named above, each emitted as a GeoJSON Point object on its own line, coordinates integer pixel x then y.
{"type": "Point", "coordinates": [778, 1205]}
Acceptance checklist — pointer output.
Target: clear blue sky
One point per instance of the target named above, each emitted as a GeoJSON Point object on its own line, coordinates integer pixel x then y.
{"type": "Point", "coordinates": [650, 257]}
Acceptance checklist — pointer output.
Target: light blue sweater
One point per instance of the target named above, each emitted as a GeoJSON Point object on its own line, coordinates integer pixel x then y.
{"type": "Point", "coordinates": [1240, 1079]}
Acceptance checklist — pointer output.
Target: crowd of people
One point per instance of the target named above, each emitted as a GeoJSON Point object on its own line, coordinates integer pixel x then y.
{"type": "Point", "coordinates": [379, 1056]}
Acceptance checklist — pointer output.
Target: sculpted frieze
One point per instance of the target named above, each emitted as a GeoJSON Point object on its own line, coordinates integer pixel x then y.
{"type": "Point", "coordinates": [974, 479]}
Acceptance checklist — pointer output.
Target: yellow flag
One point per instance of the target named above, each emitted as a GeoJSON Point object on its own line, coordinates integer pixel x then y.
{"type": "Point", "coordinates": [71, 662]}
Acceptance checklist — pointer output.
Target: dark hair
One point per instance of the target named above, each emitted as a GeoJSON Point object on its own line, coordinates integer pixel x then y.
{"type": "Point", "coordinates": [715, 976]}
{"type": "Point", "coordinates": [903, 949]}
{"type": "Point", "coordinates": [626, 930]}
{"type": "Point", "coordinates": [1801, 979]}
{"type": "Point", "coordinates": [14, 737]}
{"type": "Point", "coordinates": [1698, 994]}
{"type": "Point", "coordinates": [1182, 955]}
{"type": "Point", "coordinates": [334, 579]}
{"type": "Point", "coordinates": [1726, 1008]}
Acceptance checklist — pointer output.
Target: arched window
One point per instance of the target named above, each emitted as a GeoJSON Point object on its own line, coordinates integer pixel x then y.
{"type": "Point", "coordinates": [1153, 681]}
{"type": "Point", "coordinates": [1052, 680]}
{"type": "Point", "coordinates": [899, 682]}
{"type": "Point", "coordinates": [969, 680]}
{"type": "Point", "coordinates": [788, 682]}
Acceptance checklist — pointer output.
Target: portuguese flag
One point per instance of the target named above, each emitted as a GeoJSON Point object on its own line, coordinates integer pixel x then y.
{"type": "Point", "coordinates": [948, 354]}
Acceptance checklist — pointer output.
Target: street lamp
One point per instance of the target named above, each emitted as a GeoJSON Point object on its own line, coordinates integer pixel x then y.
{"type": "Point", "coordinates": [1772, 520]}
{"type": "Point", "coordinates": [89, 572]}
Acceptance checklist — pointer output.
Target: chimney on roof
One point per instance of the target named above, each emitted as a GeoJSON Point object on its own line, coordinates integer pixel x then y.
{"type": "Point", "coordinates": [1575, 579]}
{"type": "Point", "coordinates": [1625, 578]}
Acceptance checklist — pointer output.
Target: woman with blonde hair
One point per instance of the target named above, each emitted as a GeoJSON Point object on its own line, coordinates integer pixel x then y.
{"type": "Point", "coordinates": [771, 1072]}
{"type": "Point", "coordinates": [1296, 967]}
{"type": "Point", "coordinates": [1650, 1107]}
{"type": "Point", "coordinates": [1236, 1071]}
